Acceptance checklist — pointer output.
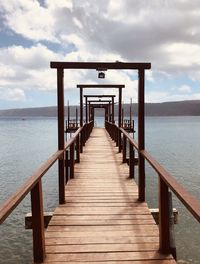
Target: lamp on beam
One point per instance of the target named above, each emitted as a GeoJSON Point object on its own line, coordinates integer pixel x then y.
{"type": "Point", "coordinates": [101, 73]}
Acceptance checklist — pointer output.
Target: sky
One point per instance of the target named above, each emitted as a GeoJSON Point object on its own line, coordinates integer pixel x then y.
{"type": "Point", "coordinates": [35, 32]}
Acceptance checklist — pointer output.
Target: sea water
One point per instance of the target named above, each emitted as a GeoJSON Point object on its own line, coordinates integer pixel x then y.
{"type": "Point", "coordinates": [27, 142]}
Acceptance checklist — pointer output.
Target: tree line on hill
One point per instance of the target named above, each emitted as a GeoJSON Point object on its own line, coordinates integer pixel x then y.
{"type": "Point", "coordinates": [180, 108]}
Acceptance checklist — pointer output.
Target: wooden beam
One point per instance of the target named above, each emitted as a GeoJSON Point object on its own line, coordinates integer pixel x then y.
{"type": "Point", "coordinates": [99, 95]}
{"type": "Point", "coordinates": [155, 214]}
{"type": "Point", "coordinates": [104, 65]}
{"type": "Point", "coordinates": [29, 220]}
{"type": "Point", "coordinates": [100, 86]}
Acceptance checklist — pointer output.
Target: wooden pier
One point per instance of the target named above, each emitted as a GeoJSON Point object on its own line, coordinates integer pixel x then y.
{"type": "Point", "coordinates": [102, 216]}
{"type": "Point", "coordinates": [102, 220]}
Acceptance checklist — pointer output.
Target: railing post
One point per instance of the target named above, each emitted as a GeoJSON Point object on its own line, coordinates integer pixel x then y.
{"type": "Point", "coordinates": [83, 134]}
{"type": "Point", "coordinates": [116, 137]}
{"type": "Point", "coordinates": [38, 223]}
{"type": "Point", "coordinates": [67, 165]}
{"type": "Point", "coordinates": [119, 140]}
{"type": "Point", "coordinates": [131, 161]}
{"type": "Point", "coordinates": [164, 215]}
{"type": "Point", "coordinates": [78, 149]}
{"type": "Point", "coordinates": [81, 141]}
{"type": "Point", "coordinates": [124, 149]}
{"type": "Point", "coordinates": [72, 161]}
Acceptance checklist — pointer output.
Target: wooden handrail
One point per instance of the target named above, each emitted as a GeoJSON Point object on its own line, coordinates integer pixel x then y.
{"type": "Point", "coordinates": [184, 196]}
{"type": "Point", "coordinates": [34, 186]}
{"type": "Point", "coordinates": [12, 202]}
{"type": "Point", "coordinates": [73, 138]}
{"type": "Point", "coordinates": [131, 139]}
{"type": "Point", "coordinates": [166, 181]}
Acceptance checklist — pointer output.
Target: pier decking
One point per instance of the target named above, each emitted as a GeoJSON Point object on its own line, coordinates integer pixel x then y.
{"type": "Point", "coordinates": [102, 220]}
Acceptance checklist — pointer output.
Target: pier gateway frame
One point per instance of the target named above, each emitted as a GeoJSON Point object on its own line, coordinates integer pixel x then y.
{"type": "Point", "coordinates": [140, 67]}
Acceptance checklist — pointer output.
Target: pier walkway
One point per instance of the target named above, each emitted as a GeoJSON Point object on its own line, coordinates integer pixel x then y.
{"type": "Point", "coordinates": [102, 220]}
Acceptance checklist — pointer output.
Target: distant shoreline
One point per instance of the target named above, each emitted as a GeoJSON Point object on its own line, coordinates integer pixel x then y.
{"type": "Point", "coordinates": [179, 108]}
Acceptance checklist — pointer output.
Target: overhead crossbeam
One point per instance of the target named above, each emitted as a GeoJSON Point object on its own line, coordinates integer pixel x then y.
{"type": "Point", "coordinates": [101, 86]}
{"type": "Point", "coordinates": [99, 96]}
{"type": "Point", "coordinates": [99, 65]}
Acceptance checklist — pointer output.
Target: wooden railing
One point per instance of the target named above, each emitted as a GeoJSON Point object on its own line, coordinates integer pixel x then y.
{"type": "Point", "coordinates": [34, 186]}
{"type": "Point", "coordinates": [165, 182]}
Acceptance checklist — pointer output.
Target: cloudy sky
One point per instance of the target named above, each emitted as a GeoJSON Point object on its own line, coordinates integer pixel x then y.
{"type": "Point", "coordinates": [35, 32]}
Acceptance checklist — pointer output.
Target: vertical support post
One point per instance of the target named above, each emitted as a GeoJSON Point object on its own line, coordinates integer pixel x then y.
{"type": "Point", "coordinates": [86, 110]}
{"type": "Point", "coordinates": [113, 110]}
{"type": "Point", "coordinates": [171, 225]}
{"type": "Point", "coordinates": [116, 136]}
{"type": "Point", "coordinates": [61, 139]}
{"type": "Point", "coordinates": [67, 165]}
{"type": "Point", "coordinates": [92, 110]}
{"type": "Point", "coordinates": [122, 117]}
{"type": "Point", "coordinates": [81, 141]}
{"type": "Point", "coordinates": [68, 113]}
{"type": "Point", "coordinates": [124, 148]}
{"type": "Point", "coordinates": [119, 119]}
{"type": "Point", "coordinates": [81, 117]}
{"type": "Point", "coordinates": [131, 161]}
{"type": "Point", "coordinates": [81, 106]}
{"type": "Point", "coordinates": [164, 215]}
{"type": "Point", "coordinates": [78, 149]}
{"type": "Point", "coordinates": [131, 113]}
{"type": "Point", "coordinates": [141, 134]}
{"type": "Point", "coordinates": [38, 223]}
{"type": "Point", "coordinates": [76, 117]}
{"type": "Point", "coordinates": [89, 112]}
{"type": "Point", "coordinates": [72, 161]}
{"type": "Point", "coordinates": [109, 119]}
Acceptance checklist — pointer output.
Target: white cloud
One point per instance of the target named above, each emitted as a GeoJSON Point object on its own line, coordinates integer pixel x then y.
{"type": "Point", "coordinates": [14, 94]}
{"type": "Point", "coordinates": [27, 68]}
{"type": "Point", "coordinates": [29, 19]}
{"type": "Point", "coordinates": [183, 54]}
{"type": "Point", "coordinates": [52, 4]}
{"type": "Point", "coordinates": [156, 96]}
{"type": "Point", "coordinates": [165, 33]}
{"type": "Point", "coordinates": [185, 89]}
{"type": "Point", "coordinates": [167, 96]}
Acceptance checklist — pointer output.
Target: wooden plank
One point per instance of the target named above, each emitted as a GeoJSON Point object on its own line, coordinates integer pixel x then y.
{"type": "Point", "coordinates": [167, 261]}
{"type": "Point", "coordinates": [114, 233]}
{"type": "Point", "coordinates": [93, 199]}
{"type": "Point", "coordinates": [103, 217]}
{"type": "Point", "coordinates": [101, 210]}
{"type": "Point", "coordinates": [106, 239]}
{"type": "Point", "coordinates": [116, 256]}
{"type": "Point", "coordinates": [103, 204]}
{"type": "Point", "coordinates": [101, 222]}
{"type": "Point", "coordinates": [145, 228]}
{"type": "Point", "coordinates": [102, 248]}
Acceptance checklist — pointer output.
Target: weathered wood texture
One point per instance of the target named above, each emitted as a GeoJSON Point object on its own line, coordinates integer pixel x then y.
{"type": "Point", "coordinates": [102, 220]}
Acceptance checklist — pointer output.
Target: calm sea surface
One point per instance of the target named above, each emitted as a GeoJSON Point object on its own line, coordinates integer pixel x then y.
{"type": "Point", "coordinates": [25, 144]}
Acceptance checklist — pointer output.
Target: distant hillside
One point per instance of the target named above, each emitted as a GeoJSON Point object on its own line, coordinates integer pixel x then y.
{"type": "Point", "coordinates": [181, 108]}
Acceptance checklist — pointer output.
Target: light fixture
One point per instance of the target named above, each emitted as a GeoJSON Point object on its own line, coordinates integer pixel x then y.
{"type": "Point", "coordinates": [101, 73]}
